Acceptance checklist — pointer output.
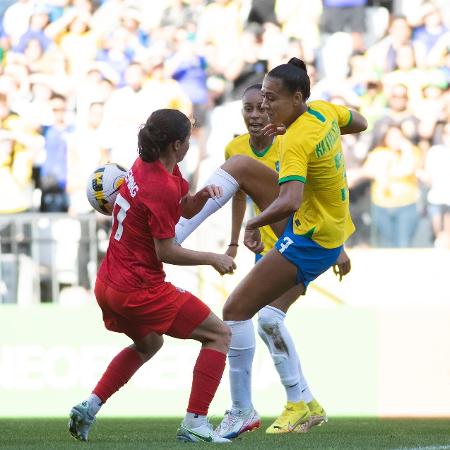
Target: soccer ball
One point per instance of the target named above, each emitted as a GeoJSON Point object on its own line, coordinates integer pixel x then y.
{"type": "Point", "coordinates": [103, 186]}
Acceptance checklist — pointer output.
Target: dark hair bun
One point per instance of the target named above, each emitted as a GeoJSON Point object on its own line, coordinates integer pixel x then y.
{"type": "Point", "coordinates": [297, 63]}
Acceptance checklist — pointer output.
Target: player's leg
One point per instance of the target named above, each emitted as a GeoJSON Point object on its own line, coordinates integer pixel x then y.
{"type": "Point", "coordinates": [125, 364]}
{"type": "Point", "coordinates": [194, 320]}
{"type": "Point", "coordinates": [242, 416]}
{"type": "Point", "coordinates": [276, 336]}
{"type": "Point", "coordinates": [284, 267]}
{"type": "Point", "coordinates": [119, 371]}
{"type": "Point", "coordinates": [239, 172]}
{"type": "Point", "coordinates": [261, 286]}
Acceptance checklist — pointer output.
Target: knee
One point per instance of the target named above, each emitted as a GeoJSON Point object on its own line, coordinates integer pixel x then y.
{"type": "Point", "coordinates": [267, 322]}
{"type": "Point", "coordinates": [223, 336]}
{"type": "Point", "coordinates": [148, 349]}
{"type": "Point", "coordinates": [236, 165]}
{"type": "Point", "coordinates": [236, 310]}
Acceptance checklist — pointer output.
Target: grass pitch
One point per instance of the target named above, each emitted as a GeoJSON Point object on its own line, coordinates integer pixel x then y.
{"type": "Point", "coordinates": [159, 434]}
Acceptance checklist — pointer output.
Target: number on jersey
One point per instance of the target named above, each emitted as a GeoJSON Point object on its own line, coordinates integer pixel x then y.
{"type": "Point", "coordinates": [124, 206]}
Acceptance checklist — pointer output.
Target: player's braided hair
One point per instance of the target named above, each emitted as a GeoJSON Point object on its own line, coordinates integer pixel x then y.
{"type": "Point", "coordinates": [163, 127]}
{"type": "Point", "coordinates": [294, 77]}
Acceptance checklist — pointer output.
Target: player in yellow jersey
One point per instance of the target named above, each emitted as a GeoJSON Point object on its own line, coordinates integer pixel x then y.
{"type": "Point", "coordinates": [271, 326]}
{"type": "Point", "coordinates": [309, 212]}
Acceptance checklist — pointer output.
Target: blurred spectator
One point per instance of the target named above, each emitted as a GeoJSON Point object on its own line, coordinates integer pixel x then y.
{"type": "Point", "coordinates": [189, 68]}
{"type": "Point", "coordinates": [427, 35]}
{"type": "Point", "coordinates": [262, 11]}
{"type": "Point", "coordinates": [382, 55]}
{"type": "Point", "coordinates": [16, 161]}
{"type": "Point", "coordinates": [392, 167]}
{"type": "Point", "coordinates": [124, 111]}
{"type": "Point", "coordinates": [437, 163]}
{"type": "Point", "coordinates": [87, 151]}
{"type": "Point", "coordinates": [17, 19]}
{"type": "Point", "coordinates": [248, 67]}
{"type": "Point", "coordinates": [345, 15]}
{"type": "Point", "coordinates": [76, 38]}
{"type": "Point", "coordinates": [38, 21]}
{"type": "Point", "coordinates": [54, 170]}
{"type": "Point", "coordinates": [115, 53]}
{"type": "Point", "coordinates": [397, 113]}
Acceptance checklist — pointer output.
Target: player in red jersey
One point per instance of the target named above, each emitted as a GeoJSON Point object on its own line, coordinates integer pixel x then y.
{"type": "Point", "coordinates": [131, 289]}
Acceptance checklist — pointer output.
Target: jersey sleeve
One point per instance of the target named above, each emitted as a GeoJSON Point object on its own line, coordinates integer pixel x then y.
{"type": "Point", "coordinates": [293, 163]}
{"type": "Point", "coordinates": [228, 152]}
{"type": "Point", "coordinates": [344, 115]}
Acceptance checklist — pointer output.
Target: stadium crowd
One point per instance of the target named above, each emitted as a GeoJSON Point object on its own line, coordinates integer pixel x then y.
{"type": "Point", "coordinates": [78, 77]}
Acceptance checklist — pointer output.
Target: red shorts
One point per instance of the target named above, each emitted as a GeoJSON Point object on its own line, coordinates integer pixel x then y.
{"type": "Point", "coordinates": [162, 310]}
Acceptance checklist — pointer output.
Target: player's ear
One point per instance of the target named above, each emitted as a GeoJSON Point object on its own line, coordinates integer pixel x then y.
{"type": "Point", "coordinates": [298, 98]}
{"type": "Point", "coordinates": [176, 145]}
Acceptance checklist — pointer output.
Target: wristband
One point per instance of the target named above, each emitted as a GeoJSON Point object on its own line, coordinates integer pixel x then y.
{"type": "Point", "coordinates": [233, 244]}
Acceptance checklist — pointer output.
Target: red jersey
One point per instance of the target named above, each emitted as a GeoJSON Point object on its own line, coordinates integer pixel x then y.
{"type": "Point", "coordinates": [147, 207]}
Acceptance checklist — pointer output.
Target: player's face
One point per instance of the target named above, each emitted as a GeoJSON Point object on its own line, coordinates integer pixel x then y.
{"type": "Point", "coordinates": [280, 104]}
{"type": "Point", "coordinates": [182, 147]}
{"type": "Point", "coordinates": [255, 116]}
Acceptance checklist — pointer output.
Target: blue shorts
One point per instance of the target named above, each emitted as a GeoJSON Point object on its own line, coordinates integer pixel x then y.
{"type": "Point", "coordinates": [310, 258]}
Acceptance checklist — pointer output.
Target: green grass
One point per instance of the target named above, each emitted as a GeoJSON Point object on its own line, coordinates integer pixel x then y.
{"type": "Point", "coordinates": [137, 434]}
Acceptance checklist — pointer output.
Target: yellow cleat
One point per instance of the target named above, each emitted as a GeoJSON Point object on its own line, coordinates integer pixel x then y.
{"type": "Point", "coordinates": [318, 414]}
{"type": "Point", "coordinates": [294, 418]}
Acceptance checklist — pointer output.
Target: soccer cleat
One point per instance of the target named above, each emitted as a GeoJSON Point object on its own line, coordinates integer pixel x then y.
{"type": "Point", "coordinates": [318, 414]}
{"type": "Point", "coordinates": [203, 433]}
{"type": "Point", "coordinates": [233, 424]}
{"type": "Point", "coordinates": [295, 417]}
{"type": "Point", "coordinates": [80, 421]}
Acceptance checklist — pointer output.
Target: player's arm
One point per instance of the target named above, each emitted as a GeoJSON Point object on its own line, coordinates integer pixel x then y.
{"type": "Point", "coordinates": [356, 124]}
{"type": "Point", "coordinates": [192, 204]}
{"type": "Point", "coordinates": [169, 253]}
{"type": "Point", "coordinates": [343, 265]}
{"type": "Point", "coordinates": [287, 202]}
{"type": "Point", "coordinates": [238, 207]}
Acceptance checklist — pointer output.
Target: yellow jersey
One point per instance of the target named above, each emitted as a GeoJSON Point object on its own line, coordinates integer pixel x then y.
{"type": "Point", "coordinates": [311, 152]}
{"type": "Point", "coordinates": [269, 157]}
{"type": "Point", "coordinates": [388, 189]}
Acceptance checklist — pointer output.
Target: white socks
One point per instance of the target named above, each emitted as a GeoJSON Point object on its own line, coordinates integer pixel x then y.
{"type": "Point", "coordinates": [193, 420]}
{"type": "Point", "coordinates": [229, 185]}
{"type": "Point", "coordinates": [276, 336]}
{"type": "Point", "coordinates": [94, 403]}
{"type": "Point", "coordinates": [240, 359]}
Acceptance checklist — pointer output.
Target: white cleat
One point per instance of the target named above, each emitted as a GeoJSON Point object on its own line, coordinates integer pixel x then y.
{"type": "Point", "coordinates": [80, 421]}
{"type": "Point", "coordinates": [233, 424]}
{"type": "Point", "coordinates": [203, 433]}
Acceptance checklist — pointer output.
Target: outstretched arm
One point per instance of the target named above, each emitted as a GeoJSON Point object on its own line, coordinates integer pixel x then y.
{"type": "Point", "coordinates": [357, 124]}
{"type": "Point", "coordinates": [237, 217]}
{"type": "Point", "coordinates": [192, 204]}
{"type": "Point", "coordinates": [342, 266]}
{"type": "Point", "coordinates": [169, 253]}
{"type": "Point", "coordinates": [287, 202]}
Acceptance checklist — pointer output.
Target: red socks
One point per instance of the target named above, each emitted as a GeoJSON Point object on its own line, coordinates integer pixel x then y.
{"type": "Point", "coordinates": [208, 372]}
{"type": "Point", "coordinates": [123, 366]}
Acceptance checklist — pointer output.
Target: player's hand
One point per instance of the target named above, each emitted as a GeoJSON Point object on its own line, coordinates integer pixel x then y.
{"type": "Point", "coordinates": [342, 266]}
{"type": "Point", "coordinates": [210, 191]}
{"type": "Point", "coordinates": [223, 264]}
{"type": "Point", "coordinates": [272, 129]}
{"type": "Point", "coordinates": [252, 240]}
{"type": "Point", "coordinates": [232, 251]}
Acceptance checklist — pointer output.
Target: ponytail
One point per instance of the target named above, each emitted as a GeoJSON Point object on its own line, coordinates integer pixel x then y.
{"type": "Point", "coordinates": [163, 127]}
{"type": "Point", "coordinates": [298, 63]}
{"type": "Point", "coordinates": [293, 76]}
